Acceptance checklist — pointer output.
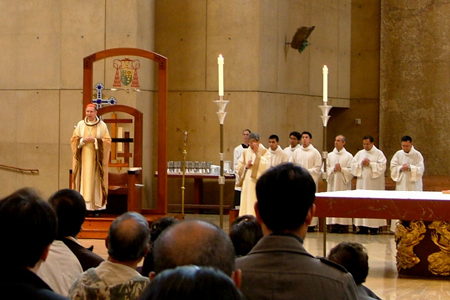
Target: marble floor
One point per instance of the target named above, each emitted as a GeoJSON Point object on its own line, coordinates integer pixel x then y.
{"type": "Point", "coordinates": [382, 277]}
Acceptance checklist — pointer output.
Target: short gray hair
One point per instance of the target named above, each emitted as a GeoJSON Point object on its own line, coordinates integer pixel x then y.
{"type": "Point", "coordinates": [253, 136]}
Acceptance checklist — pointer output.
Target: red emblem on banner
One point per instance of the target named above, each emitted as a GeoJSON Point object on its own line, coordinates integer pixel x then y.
{"type": "Point", "coordinates": [126, 75]}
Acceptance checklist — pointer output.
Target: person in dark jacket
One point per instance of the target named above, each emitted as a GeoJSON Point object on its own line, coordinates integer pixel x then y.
{"type": "Point", "coordinates": [27, 228]}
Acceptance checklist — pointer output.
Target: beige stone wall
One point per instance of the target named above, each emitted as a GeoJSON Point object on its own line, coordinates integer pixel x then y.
{"type": "Point", "coordinates": [364, 80]}
{"type": "Point", "coordinates": [43, 45]}
{"type": "Point", "coordinates": [414, 79]}
{"type": "Point", "coordinates": [271, 87]}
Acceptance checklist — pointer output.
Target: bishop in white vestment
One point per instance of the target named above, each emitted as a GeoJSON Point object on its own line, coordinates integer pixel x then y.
{"type": "Point", "coordinates": [90, 145]}
{"type": "Point", "coordinates": [339, 176]}
{"type": "Point", "coordinates": [369, 166]}
{"type": "Point", "coordinates": [253, 162]}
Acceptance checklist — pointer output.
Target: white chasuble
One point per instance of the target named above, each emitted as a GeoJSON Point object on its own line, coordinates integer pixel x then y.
{"type": "Point", "coordinates": [261, 163]}
{"type": "Point", "coordinates": [90, 163]}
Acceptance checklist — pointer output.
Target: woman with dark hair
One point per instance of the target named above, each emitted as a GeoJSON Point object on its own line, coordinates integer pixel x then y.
{"type": "Point", "coordinates": [354, 258]}
{"type": "Point", "coordinates": [191, 282]}
{"type": "Point", "coordinates": [156, 228]}
{"type": "Point", "coordinates": [245, 232]}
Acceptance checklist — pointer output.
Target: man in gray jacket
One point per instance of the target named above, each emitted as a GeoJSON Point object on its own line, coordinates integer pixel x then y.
{"type": "Point", "coordinates": [279, 267]}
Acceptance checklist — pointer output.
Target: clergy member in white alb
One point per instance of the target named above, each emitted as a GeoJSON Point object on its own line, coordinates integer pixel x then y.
{"type": "Point", "coordinates": [407, 169]}
{"type": "Point", "coordinates": [236, 154]}
{"type": "Point", "coordinates": [253, 162]}
{"type": "Point", "coordinates": [90, 145]}
{"type": "Point", "coordinates": [277, 155]}
{"type": "Point", "coordinates": [339, 178]}
{"type": "Point", "coordinates": [369, 166]}
{"type": "Point", "coordinates": [309, 158]}
{"type": "Point", "coordinates": [294, 143]}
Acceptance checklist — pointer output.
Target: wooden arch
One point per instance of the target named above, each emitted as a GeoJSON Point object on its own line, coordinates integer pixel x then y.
{"type": "Point", "coordinates": [88, 85]}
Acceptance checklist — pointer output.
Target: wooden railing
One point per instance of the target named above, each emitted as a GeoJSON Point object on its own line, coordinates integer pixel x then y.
{"type": "Point", "coordinates": [32, 171]}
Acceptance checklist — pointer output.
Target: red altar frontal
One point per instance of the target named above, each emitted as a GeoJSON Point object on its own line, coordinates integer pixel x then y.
{"type": "Point", "coordinates": [423, 238]}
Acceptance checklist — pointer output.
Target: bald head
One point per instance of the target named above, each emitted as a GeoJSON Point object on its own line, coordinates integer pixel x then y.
{"type": "Point", "coordinates": [194, 243]}
{"type": "Point", "coordinates": [128, 237]}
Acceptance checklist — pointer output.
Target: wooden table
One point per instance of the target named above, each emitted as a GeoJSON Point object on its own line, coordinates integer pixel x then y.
{"type": "Point", "coordinates": [424, 206]}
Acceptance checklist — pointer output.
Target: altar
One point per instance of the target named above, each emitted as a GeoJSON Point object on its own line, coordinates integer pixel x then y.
{"type": "Point", "coordinates": [423, 239]}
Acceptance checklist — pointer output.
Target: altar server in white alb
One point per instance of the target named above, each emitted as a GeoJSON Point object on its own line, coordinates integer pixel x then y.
{"type": "Point", "coordinates": [253, 162]}
{"type": "Point", "coordinates": [339, 178]}
{"type": "Point", "coordinates": [309, 158]}
{"type": "Point", "coordinates": [407, 169]}
{"type": "Point", "coordinates": [369, 166]}
{"type": "Point", "coordinates": [294, 143]}
{"type": "Point", "coordinates": [236, 154]}
{"type": "Point", "coordinates": [277, 155]}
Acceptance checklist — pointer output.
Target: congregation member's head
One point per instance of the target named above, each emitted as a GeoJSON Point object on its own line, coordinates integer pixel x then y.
{"type": "Point", "coordinates": [273, 142]}
{"type": "Point", "coordinates": [353, 257]}
{"type": "Point", "coordinates": [368, 142]}
{"type": "Point", "coordinates": [286, 196]}
{"type": "Point", "coordinates": [406, 143]}
{"type": "Point", "coordinates": [306, 139]}
{"type": "Point", "coordinates": [70, 208]}
{"type": "Point", "coordinates": [128, 238]}
{"type": "Point", "coordinates": [117, 277]}
{"type": "Point", "coordinates": [157, 227]}
{"type": "Point", "coordinates": [279, 267]}
{"type": "Point", "coordinates": [191, 283]}
{"type": "Point", "coordinates": [294, 138]}
{"type": "Point", "coordinates": [197, 243]}
{"type": "Point", "coordinates": [245, 232]}
{"type": "Point", "coordinates": [27, 228]}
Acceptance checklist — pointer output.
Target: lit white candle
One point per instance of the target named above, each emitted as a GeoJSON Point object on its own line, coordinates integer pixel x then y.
{"type": "Point", "coordinates": [325, 84]}
{"type": "Point", "coordinates": [220, 62]}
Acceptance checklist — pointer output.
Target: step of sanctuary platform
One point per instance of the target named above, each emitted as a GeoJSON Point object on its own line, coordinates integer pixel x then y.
{"type": "Point", "coordinates": [97, 227]}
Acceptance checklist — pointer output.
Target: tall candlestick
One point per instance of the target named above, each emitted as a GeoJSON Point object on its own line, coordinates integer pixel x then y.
{"type": "Point", "coordinates": [325, 84]}
{"type": "Point", "coordinates": [220, 62]}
